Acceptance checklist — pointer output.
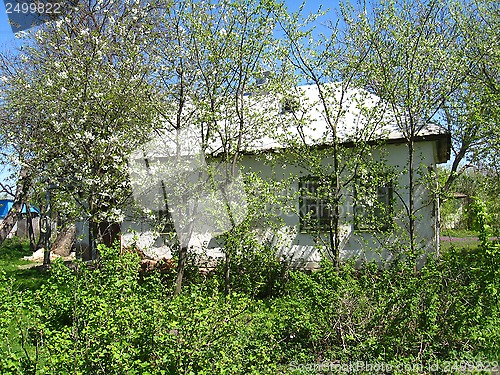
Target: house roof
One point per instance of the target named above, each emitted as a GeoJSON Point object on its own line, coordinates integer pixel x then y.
{"type": "Point", "coordinates": [301, 117]}
{"type": "Point", "coordinates": [357, 114]}
{"type": "Point", "coordinates": [6, 205]}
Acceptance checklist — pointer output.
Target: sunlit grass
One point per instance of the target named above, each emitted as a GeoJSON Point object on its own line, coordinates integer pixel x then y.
{"type": "Point", "coordinates": [458, 233]}
{"type": "Point", "coordinates": [25, 273]}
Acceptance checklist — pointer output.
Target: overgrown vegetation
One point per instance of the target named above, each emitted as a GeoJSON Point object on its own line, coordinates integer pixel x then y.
{"type": "Point", "coordinates": [88, 91]}
{"type": "Point", "coordinates": [23, 272]}
{"type": "Point", "coordinates": [460, 214]}
{"type": "Point", "coordinates": [110, 319]}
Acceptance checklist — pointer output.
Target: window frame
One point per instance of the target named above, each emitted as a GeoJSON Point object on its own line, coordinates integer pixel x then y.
{"type": "Point", "coordinates": [290, 104]}
{"type": "Point", "coordinates": [307, 223]}
{"type": "Point", "coordinates": [376, 220]}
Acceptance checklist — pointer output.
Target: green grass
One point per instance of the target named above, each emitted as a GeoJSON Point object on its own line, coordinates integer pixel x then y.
{"type": "Point", "coordinates": [25, 273]}
{"type": "Point", "coordinates": [465, 244]}
{"type": "Point", "coordinates": [462, 238]}
{"type": "Point", "coordinates": [460, 233]}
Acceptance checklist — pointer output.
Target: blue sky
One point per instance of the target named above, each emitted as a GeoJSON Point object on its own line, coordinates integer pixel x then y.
{"type": "Point", "coordinates": [8, 41]}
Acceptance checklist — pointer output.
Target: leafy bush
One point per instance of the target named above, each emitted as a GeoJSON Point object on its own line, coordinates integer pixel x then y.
{"type": "Point", "coordinates": [105, 318]}
{"type": "Point", "coordinates": [256, 271]}
{"type": "Point", "coordinates": [447, 310]}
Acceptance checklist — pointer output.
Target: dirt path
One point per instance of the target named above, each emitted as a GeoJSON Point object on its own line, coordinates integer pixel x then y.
{"type": "Point", "coordinates": [465, 239]}
{"type": "Point", "coordinates": [458, 239]}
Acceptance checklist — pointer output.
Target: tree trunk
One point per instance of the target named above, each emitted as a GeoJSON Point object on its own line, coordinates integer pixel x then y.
{"type": "Point", "coordinates": [438, 219]}
{"type": "Point", "coordinates": [46, 252]}
{"type": "Point", "coordinates": [454, 168]}
{"type": "Point", "coordinates": [411, 192]}
{"type": "Point", "coordinates": [336, 213]}
{"type": "Point", "coordinates": [12, 217]}
{"type": "Point", "coordinates": [227, 274]}
{"type": "Point", "coordinates": [181, 265]}
{"type": "Point", "coordinates": [334, 223]}
{"type": "Point", "coordinates": [41, 236]}
{"type": "Point", "coordinates": [64, 240]}
{"type": "Point", "coordinates": [31, 232]}
{"type": "Point", "coordinates": [48, 227]}
{"type": "Point", "coordinates": [109, 233]}
{"type": "Point", "coordinates": [93, 239]}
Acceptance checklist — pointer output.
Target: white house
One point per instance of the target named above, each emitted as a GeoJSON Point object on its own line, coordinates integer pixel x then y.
{"type": "Point", "coordinates": [374, 179]}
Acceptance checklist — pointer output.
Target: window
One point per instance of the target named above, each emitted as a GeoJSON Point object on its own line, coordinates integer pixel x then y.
{"type": "Point", "coordinates": [373, 205]}
{"type": "Point", "coordinates": [165, 222]}
{"type": "Point", "coordinates": [290, 105]}
{"type": "Point", "coordinates": [314, 209]}
{"type": "Point", "coordinates": [164, 215]}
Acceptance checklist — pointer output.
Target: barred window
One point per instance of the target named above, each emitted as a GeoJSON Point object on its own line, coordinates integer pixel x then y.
{"type": "Point", "coordinates": [314, 208]}
{"type": "Point", "coordinates": [373, 206]}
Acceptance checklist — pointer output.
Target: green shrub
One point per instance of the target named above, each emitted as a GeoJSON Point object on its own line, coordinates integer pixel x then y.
{"type": "Point", "coordinates": [105, 318]}
{"type": "Point", "coordinates": [255, 271]}
{"type": "Point", "coordinates": [447, 310]}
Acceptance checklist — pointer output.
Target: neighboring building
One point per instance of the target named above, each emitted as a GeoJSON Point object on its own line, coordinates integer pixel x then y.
{"type": "Point", "coordinates": [21, 227]}
{"type": "Point", "coordinates": [371, 206]}
{"type": "Point", "coordinates": [453, 212]}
